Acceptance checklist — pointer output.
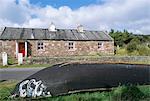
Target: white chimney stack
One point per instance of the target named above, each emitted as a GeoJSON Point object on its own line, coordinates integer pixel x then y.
{"type": "Point", "coordinates": [80, 28]}
{"type": "Point", "coordinates": [52, 27]}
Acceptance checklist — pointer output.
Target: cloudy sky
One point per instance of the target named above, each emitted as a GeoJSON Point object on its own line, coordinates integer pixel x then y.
{"type": "Point", "coordinates": [133, 15]}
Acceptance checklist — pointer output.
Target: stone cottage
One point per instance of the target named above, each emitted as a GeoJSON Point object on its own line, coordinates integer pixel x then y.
{"type": "Point", "coordinates": [40, 42]}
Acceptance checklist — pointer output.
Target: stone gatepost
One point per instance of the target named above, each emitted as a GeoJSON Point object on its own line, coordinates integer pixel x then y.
{"type": "Point", "coordinates": [20, 58]}
{"type": "Point", "coordinates": [5, 59]}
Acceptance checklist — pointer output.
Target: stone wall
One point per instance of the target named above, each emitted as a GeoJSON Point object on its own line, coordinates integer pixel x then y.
{"type": "Point", "coordinates": [60, 48]}
{"type": "Point", "coordinates": [90, 59]}
{"type": "Point", "coordinates": [0, 58]}
{"type": "Point", "coordinates": [0, 51]}
{"type": "Point", "coordinates": [9, 47]}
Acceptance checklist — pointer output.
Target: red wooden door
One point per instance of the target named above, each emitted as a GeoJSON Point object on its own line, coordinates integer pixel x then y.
{"type": "Point", "coordinates": [22, 48]}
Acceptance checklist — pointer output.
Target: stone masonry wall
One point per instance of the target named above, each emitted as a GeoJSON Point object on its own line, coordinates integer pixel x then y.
{"type": "Point", "coordinates": [60, 48]}
{"type": "Point", "coordinates": [90, 59]}
{"type": "Point", "coordinates": [0, 51]}
{"type": "Point", "coordinates": [9, 47]}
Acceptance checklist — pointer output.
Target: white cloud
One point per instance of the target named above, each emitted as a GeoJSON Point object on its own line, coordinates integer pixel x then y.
{"type": "Point", "coordinates": [133, 15]}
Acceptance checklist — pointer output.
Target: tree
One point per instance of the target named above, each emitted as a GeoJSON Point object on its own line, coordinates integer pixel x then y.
{"type": "Point", "coordinates": [121, 38]}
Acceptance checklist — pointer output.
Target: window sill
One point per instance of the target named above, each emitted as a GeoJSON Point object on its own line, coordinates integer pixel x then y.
{"type": "Point", "coordinates": [40, 50]}
{"type": "Point", "coordinates": [72, 50]}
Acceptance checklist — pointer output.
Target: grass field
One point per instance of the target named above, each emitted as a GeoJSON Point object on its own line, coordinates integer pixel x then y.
{"type": "Point", "coordinates": [121, 93]}
{"type": "Point", "coordinates": [26, 66]}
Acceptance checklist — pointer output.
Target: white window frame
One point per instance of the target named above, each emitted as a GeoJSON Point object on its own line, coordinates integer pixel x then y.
{"type": "Point", "coordinates": [100, 45]}
{"type": "Point", "coordinates": [71, 45]}
{"type": "Point", "coordinates": [40, 46]}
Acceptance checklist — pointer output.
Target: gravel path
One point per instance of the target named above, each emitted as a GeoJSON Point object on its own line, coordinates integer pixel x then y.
{"type": "Point", "coordinates": [17, 73]}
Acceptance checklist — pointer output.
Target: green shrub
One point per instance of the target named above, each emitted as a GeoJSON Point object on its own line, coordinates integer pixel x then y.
{"type": "Point", "coordinates": [131, 47]}
{"type": "Point", "coordinates": [121, 51]}
{"type": "Point", "coordinates": [131, 93]}
{"type": "Point", "coordinates": [134, 53]}
{"type": "Point", "coordinates": [143, 50]}
{"type": "Point", "coordinates": [128, 93]}
{"type": "Point", "coordinates": [11, 61]}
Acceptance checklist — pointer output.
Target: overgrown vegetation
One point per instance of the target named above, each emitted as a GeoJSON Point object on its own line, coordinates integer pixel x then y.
{"type": "Point", "coordinates": [131, 44]}
{"type": "Point", "coordinates": [121, 93]}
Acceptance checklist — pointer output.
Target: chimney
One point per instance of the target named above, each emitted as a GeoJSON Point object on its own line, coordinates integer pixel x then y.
{"type": "Point", "coordinates": [52, 28]}
{"type": "Point", "coordinates": [32, 34]}
{"type": "Point", "coordinates": [80, 29]}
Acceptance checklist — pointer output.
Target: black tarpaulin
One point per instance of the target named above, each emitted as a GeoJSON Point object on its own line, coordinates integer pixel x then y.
{"type": "Point", "coordinates": [63, 78]}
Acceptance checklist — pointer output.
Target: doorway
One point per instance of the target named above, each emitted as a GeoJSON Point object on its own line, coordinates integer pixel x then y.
{"type": "Point", "coordinates": [22, 48]}
{"type": "Point", "coordinates": [25, 48]}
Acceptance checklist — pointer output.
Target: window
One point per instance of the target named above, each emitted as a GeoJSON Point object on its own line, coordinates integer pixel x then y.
{"type": "Point", "coordinates": [40, 46]}
{"type": "Point", "coordinates": [100, 45]}
{"type": "Point", "coordinates": [71, 45]}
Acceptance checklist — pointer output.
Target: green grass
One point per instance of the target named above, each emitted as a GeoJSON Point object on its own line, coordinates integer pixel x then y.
{"type": "Point", "coordinates": [5, 89]}
{"type": "Point", "coordinates": [26, 66]}
{"type": "Point", "coordinates": [121, 93]}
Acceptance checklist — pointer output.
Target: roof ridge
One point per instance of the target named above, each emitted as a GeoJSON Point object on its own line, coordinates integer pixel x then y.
{"type": "Point", "coordinates": [56, 28]}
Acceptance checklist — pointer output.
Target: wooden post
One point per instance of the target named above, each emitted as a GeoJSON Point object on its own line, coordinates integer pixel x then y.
{"type": "Point", "coordinates": [26, 49]}
{"type": "Point", "coordinates": [17, 49]}
{"type": "Point", "coordinates": [5, 59]}
{"type": "Point", "coordinates": [20, 58]}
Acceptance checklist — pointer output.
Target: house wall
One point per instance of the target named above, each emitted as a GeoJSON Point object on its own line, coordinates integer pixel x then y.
{"type": "Point", "coordinates": [8, 46]}
{"type": "Point", "coordinates": [0, 51]}
{"type": "Point", "coordinates": [59, 48]}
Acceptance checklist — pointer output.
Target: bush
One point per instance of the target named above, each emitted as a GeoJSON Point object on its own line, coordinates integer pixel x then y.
{"type": "Point", "coordinates": [121, 51]}
{"type": "Point", "coordinates": [128, 93]}
{"type": "Point", "coordinates": [134, 53]}
{"type": "Point", "coordinates": [11, 61]}
{"type": "Point", "coordinates": [131, 93]}
{"type": "Point", "coordinates": [143, 50]}
{"type": "Point", "coordinates": [131, 47]}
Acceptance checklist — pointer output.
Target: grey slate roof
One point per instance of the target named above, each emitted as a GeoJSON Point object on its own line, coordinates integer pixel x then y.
{"type": "Point", "coordinates": [10, 33]}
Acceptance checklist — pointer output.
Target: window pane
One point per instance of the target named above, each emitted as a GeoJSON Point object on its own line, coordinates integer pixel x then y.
{"type": "Point", "coordinates": [38, 43]}
{"type": "Point", "coordinates": [70, 45]}
{"type": "Point", "coordinates": [99, 45]}
{"type": "Point", "coordinates": [38, 47]}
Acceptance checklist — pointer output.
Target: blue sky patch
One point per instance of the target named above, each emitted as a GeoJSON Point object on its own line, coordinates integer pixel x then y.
{"type": "Point", "coordinates": [74, 4]}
